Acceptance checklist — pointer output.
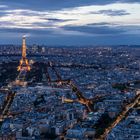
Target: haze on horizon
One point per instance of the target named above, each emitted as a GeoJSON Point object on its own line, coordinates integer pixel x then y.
{"type": "Point", "coordinates": [70, 22]}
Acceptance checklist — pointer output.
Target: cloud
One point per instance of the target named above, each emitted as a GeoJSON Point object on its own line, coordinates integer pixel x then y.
{"type": "Point", "coordinates": [27, 18]}
{"type": "Point", "coordinates": [104, 28]}
{"type": "Point", "coordinates": [59, 4]}
{"type": "Point", "coordinates": [3, 6]}
{"type": "Point", "coordinates": [57, 19]}
{"type": "Point", "coordinates": [95, 29]}
{"type": "Point", "coordinates": [111, 12]}
{"type": "Point", "coordinates": [74, 18]}
{"type": "Point", "coordinates": [27, 31]}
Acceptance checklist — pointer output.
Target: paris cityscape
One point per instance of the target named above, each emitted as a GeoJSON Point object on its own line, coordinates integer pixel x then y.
{"type": "Point", "coordinates": [64, 76]}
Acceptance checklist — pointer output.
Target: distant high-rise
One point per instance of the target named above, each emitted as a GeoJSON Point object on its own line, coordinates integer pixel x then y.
{"type": "Point", "coordinates": [24, 64]}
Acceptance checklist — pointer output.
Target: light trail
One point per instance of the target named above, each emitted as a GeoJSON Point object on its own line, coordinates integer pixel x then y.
{"type": "Point", "coordinates": [119, 118]}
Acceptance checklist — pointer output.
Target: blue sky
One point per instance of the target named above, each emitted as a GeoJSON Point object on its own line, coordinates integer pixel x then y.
{"type": "Point", "coordinates": [70, 22]}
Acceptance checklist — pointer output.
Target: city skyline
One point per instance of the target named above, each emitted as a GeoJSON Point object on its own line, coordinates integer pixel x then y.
{"type": "Point", "coordinates": [70, 22]}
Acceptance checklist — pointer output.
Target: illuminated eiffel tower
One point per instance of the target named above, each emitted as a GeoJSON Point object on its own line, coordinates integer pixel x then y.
{"type": "Point", "coordinates": [24, 64]}
{"type": "Point", "coordinates": [23, 67]}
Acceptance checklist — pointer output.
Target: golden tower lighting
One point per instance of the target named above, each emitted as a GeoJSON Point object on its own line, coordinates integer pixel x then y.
{"type": "Point", "coordinates": [24, 63]}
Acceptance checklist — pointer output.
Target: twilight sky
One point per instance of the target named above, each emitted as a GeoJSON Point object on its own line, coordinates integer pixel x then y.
{"type": "Point", "coordinates": [70, 22]}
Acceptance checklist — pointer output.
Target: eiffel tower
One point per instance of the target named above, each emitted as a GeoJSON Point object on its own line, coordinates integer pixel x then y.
{"type": "Point", "coordinates": [23, 67]}
{"type": "Point", "coordinates": [24, 64]}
